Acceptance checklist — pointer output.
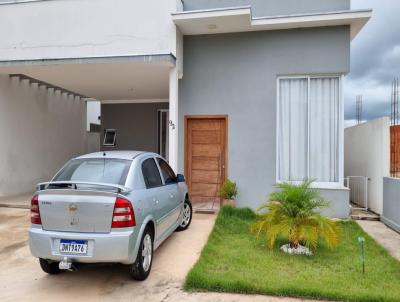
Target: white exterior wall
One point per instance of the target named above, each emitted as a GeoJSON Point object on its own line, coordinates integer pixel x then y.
{"type": "Point", "coordinates": [93, 113]}
{"type": "Point", "coordinates": [86, 28]}
{"type": "Point", "coordinates": [40, 131]}
{"type": "Point", "coordinates": [367, 153]}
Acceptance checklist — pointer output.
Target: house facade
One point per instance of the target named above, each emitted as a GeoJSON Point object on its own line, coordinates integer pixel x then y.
{"type": "Point", "coordinates": [239, 89]}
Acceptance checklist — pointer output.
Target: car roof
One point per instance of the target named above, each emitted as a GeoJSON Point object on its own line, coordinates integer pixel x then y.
{"type": "Point", "coordinates": [116, 154]}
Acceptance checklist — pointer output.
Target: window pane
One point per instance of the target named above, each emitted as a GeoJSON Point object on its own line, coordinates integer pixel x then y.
{"type": "Point", "coordinates": [151, 174]}
{"type": "Point", "coordinates": [293, 130]}
{"type": "Point", "coordinates": [111, 171]}
{"type": "Point", "coordinates": [167, 172]}
{"type": "Point", "coordinates": [324, 129]}
{"type": "Point", "coordinates": [109, 138]}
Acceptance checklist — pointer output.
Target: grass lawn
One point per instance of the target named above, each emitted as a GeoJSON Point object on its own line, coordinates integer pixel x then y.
{"type": "Point", "coordinates": [234, 261]}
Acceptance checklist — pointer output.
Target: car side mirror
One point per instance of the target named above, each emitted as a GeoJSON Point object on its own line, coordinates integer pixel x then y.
{"type": "Point", "coordinates": [180, 178]}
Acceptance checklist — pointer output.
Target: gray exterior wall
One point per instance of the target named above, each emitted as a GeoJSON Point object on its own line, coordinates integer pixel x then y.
{"type": "Point", "coordinates": [264, 8]}
{"type": "Point", "coordinates": [391, 203]}
{"type": "Point", "coordinates": [236, 74]}
{"type": "Point", "coordinates": [93, 142]}
{"type": "Point", "coordinates": [41, 130]}
{"type": "Point", "coordinates": [339, 202]}
{"type": "Point", "coordinates": [136, 125]}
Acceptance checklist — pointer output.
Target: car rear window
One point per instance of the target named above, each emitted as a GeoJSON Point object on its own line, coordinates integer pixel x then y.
{"type": "Point", "coordinates": [101, 170]}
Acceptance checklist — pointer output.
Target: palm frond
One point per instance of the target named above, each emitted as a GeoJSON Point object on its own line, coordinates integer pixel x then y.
{"type": "Point", "coordinates": [293, 212]}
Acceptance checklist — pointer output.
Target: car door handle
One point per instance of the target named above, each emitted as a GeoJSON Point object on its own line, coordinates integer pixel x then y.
{"type": "Point", "coordinates": [171, 195]}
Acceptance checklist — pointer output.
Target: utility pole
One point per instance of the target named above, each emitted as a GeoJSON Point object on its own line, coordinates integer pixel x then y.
{"type": "Point", "coordinates": [394, 130]}
{"type": "Point", "coordinates": [359, 109]}
{"type": "Point", "coordinates": [394, 112]}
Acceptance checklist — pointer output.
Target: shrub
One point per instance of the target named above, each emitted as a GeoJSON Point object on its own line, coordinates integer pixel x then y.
{"type": "Point", "coordinates": [293, 213]}
{"type": "Point", "coordinates": [228, 190]}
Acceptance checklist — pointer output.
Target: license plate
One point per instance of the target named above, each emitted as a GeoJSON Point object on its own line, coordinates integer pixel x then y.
{"type": "Point", "coordinates": [77, 247]}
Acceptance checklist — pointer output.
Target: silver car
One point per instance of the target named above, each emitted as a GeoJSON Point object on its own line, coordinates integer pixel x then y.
{"type": "Point", "coordinates": [108, 207]}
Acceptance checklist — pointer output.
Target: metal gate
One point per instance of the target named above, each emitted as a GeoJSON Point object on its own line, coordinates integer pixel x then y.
{"type": "Point", "coordinates": [358, 186]}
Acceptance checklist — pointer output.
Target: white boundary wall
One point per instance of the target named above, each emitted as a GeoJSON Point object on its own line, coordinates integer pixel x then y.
{"type": "Point", "coordinates": [93, 113]}
{"type": "Point", "coordinates": [40, 131]}
{"type": "Point", "coordinates": [367, 153]}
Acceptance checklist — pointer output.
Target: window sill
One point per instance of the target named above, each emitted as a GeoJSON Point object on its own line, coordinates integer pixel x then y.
{"type": "Point", "coordinates": [320, 185]}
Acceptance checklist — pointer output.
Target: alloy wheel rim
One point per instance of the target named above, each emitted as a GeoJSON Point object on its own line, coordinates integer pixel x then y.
{"type": "Point", "coordinates": [147, 252]}
{"type": "Point", "coordinates": [186, 215]}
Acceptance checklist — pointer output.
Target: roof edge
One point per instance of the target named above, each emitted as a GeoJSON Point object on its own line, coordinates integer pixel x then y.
{"type": "Point", "coordinates": [169, 59]}
{"type": "Point", "coordinates": [355, 18]}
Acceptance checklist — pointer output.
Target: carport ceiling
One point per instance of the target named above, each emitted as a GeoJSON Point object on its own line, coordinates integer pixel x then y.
{"type": "Point", "coordinates": [103, 81]}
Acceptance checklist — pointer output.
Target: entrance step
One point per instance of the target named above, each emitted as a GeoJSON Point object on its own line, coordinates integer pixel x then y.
{"type": "Point", "coordinates": [361, 214]}
{"type": "Point", "coordinates": [205, 210]}
{"type": "Point", "coordinates": [206, 207]}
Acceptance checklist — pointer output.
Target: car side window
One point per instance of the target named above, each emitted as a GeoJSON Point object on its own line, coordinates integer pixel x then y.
{"type": "Point", "coordinates": [166, 171]}
{"type": "Point", "coordinates": [151, 175]}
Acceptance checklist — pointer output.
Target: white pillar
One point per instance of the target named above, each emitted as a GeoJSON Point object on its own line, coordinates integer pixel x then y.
{"type": "Point", "coordinates": [173, 119]}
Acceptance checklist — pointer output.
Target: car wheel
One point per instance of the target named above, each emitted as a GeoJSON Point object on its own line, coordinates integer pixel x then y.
{"type": "Point", "coordinates": [187, 215]}
{"type": "Point", "coordinates": [142, 266]}
{"type": "Point", "coordinates": [48, 267]}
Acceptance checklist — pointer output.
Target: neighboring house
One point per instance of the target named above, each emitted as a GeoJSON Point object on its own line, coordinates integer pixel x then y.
{"type": "Point", "coordinates": [372, 150]}
{"type": "Point", "coordinates": [367, 153]}
{"type": "Point", "coordinates": [250, 90]}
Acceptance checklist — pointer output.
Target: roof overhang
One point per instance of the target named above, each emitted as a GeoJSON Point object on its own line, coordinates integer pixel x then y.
{"type": "Point", "coordinates": [127, 77]}
{"type": "Point", "coordinates": [239, 19]}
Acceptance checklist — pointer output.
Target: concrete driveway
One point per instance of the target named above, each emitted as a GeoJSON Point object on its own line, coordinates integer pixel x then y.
{"type": "Point", "coordinates": [21, 278]}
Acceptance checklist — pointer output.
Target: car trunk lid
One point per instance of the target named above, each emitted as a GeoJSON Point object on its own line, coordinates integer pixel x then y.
{"type": "Point", "coordinates": [76, 210]}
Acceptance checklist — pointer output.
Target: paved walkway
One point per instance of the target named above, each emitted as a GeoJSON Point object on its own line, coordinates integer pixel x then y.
{"type": "Point", "coordinates": [385, 236]}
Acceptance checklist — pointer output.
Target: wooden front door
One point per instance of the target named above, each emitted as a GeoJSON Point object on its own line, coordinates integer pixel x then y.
{"type": "Point", "coordinates": [205, 159]}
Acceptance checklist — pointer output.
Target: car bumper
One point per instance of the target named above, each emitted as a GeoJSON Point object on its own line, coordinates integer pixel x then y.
{"type": "Point", "coordinates": [113, 247]}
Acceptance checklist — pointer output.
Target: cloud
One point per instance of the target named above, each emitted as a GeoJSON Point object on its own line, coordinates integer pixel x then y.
{"type": "Point", "coordinates": [375, 60]}
{"type": "Point", "coordinates": [376, 98]}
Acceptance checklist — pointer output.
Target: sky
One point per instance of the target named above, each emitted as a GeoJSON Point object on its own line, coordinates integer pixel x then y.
{"type": "Point", "coordinates": [375, 60]}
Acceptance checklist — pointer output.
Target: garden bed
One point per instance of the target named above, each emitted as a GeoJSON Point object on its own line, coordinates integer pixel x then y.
{"type": "Point", "coordinates": [235, 261]}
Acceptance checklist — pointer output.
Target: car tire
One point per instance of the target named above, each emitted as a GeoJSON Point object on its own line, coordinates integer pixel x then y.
{"type": "Point", "coordinates": [187, 215]}
{"type": "Point", "coordinates": [141, 268]}
{"type": "Point", "coordinates": [48, 267]}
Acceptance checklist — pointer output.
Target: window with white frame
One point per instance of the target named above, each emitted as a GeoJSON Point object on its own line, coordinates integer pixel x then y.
{"type": "Point", "coordinates": [309, 121]}
{"type": "Point", "coordinates": [109, 137]}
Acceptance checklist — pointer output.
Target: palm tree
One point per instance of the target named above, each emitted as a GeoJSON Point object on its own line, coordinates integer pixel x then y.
{"type": "Point", "coordinates": [293, 213]}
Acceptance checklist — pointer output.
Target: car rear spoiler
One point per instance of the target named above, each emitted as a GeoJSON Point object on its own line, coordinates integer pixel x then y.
{"type": "Point", "coordinates": [74, 185]}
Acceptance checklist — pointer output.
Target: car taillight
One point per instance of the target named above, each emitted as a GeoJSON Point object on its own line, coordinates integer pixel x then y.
{"type": "Point", "coordinates": [123, 215]}
{"type": "Point", "coordinates": [35, 213]}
